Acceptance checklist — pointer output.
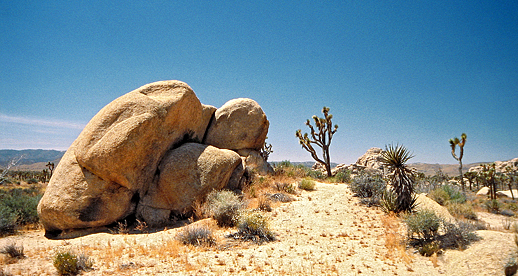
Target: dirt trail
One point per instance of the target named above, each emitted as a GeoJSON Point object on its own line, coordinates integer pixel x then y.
{"type": "Point", "coordinates": [322, 232]}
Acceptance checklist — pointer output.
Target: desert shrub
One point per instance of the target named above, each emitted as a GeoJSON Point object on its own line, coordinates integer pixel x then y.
{"type": "Point", "coordinates": [457, 236]}
{"type": "Point", "coordinates": [196, 235]}
{"type": "Point", "coordinates": [66, 263]}
{"type": "Point", "coordinates": [13, 251]}
{"type": "Point", "coordinates": [22, 203]}
{"type": "Point", "coordinates": [366, 185]}
{"type": "Point", "coordinates": [428, 249]}
{"type": "Point", "coordinates": [462, 210]}
{"type": "Point", "coordinates": [289, 188]}
{"type": "Point", "coordinates": [84, 262]}
{"type": "Point", "coordinates": [286, 168]}
{"type": "Point", "coordinates": [32, 181]}
{"type": "Point", "coordinates": [343, 176]}
{"type": "Point", "coordinates": [253, 225]}
{"type": "Point", "coordinates": [279, 197]}
{"type": "Point", "coordinates": [423, 230]}
{"type": "Point", "coordinates": [446, 194]}
{"type": "Point", "coordinates": [425, 224]}
{"type": "Point", "coordinates": [307, 184]}
{"type": "Point", "coordinates": [315, 174]}
{"type": "Point", "coordinates": [223, 206]}
{"type": "Point", "coordinates": [264, 203]}
{"type": "Point", "coordinates": [8, 219]}
{"type": "Point", "coordinates": [492, 206]}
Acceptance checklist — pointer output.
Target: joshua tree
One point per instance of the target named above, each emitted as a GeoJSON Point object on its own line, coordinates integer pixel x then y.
{"type": "Point", "coordinates": [51, 168]}
{"type": "Point", "coordinates": [470, 176]}
{"type": "Point", "coordinates": [401, 177]}
{"type": "Point", "coordinates": [510, 176]}
{"type": "Point", "coordinates": [488, 175]}
{"type": "Point", "coordinates": [322, 138]}
{"type": "Point", "coordinates": [266, 150]}
{"type": "Point", "coordinates": [454, 142]}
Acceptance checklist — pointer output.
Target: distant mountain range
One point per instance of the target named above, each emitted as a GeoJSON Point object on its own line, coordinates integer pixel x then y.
{"type": "Point", "coordinates": [35, 160]}
{"type": "Point", "coordinates": [31, 160]}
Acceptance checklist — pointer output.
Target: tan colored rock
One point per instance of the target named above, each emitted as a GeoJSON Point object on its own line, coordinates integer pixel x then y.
{"type": "Point", "coordinates": [76, 198]}
{"type": "Point", "coordinates": [500, 166]}
{"type": "Point", "coordinates": [372, 159]}
{"type": "Point", "coordinates": [426, 203]}
{"type": "Point", "coordinates": [255, 162]}
{"type": "Point", "coordinates": [187, 173]}
{"type": "Point", "coordinates": [238, 124]}
{"type": "Point", "coordinates": [483, 191]}
{"type": "Point", "coordinates": [207, 113]}
{"type": "Point", "coordinates": [124, 142]}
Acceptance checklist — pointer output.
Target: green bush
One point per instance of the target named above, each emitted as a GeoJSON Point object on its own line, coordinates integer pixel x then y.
{"type": "Point", "coordinates": [425, 224]}
{"type": "Point", "coordinates": [366, 185]}
{"type": "Point", "coordinates": [224, 207]}
{"type": "Point", "coordinates": [8, 219]}
{"type": "Point", "coordinates": [492, 206]}
{"type": "Point", "coordinates": [196, 235]}
{"type": "Point", "coordinates": [18, 207]}
{"type": "Point", "coordinates": [446, 194]}
{"type": "Point", "coordinates": [343, 177]}
{"type": "Point", "coordinates": [307, 184]}
{"type": "Point", "coordinates": [66, 263]}
{"type": "Point", "coordinates": [315, 174]}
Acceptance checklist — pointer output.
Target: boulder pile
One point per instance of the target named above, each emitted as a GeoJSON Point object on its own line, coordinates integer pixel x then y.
{"type": "Point", "coordinates": [152, 152]}
{"type": "Point", "coordinates": [370, 162]}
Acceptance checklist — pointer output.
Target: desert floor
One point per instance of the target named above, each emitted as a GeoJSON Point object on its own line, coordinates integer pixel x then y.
{"type": "Point", "coordinates": [322, 232]}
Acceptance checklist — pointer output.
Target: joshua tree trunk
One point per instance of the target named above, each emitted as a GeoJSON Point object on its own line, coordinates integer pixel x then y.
{"type": "Point", "coordinates": [321, 137]}
{"type": "Point", "coordinates": [454, 142]}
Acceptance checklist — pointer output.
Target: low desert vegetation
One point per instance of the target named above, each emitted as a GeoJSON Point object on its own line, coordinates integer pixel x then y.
{"type": "Point", "coordinates": [254, 226]}
{"type": "Point", "coordinates": [307, 184]}
{"type": "Point", "coordinates": [13, 251]}
{"type": "Point", "coordinates": [224, 207]}
{"type": "Point", "coordinates": [197, 235]}
{"type": "Point", "coordinates": [423, 233]}
{"type": "Point", "coordinates": [18, 208]}
{"type": "Point", "coordinates": [68, 263]}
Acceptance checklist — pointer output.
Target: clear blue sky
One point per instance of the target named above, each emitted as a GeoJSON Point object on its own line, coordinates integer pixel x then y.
{"type": "Point", "coordinates": [415, 73]}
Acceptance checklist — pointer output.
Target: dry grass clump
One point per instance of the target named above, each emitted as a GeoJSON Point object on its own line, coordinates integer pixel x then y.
{"type": "Point", "coordinates": [462, 210]}
{"type": "Point", "coordinates": [394, 241]}
{"type": "Point", "coordinates": [223, 206]}
{"type": "Point", "coordinates": [197, 235]}
{"type": "Point", "coordinates": [13, 251]}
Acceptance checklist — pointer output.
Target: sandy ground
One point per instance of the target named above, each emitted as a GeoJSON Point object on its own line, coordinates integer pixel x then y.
{"type": "Point", "coordinates": [322, 232]}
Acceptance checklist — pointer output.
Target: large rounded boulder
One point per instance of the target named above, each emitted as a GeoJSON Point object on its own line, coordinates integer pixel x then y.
{"type": "Point", "coordinates": [187, 173]}
{"type": "Point", "coordinates": [124, 142]}
{"type": "Point", "coordinates": [238, 124]}
{"type": "Point", "coordinates": [117, 154]}
{"type": "Point", "coordinates": [77, 198]}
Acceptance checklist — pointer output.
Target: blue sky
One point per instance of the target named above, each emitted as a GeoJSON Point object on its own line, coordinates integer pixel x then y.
{"type": "Point", "coordinates": [415, 73]}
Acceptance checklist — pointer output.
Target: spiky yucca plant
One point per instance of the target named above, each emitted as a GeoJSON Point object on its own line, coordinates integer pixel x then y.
{"type": "Point", "coordinates": [401, 177]}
